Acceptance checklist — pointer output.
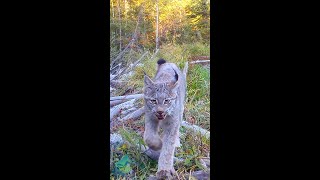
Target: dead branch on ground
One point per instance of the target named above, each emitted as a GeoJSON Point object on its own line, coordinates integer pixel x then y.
{"type": "Point", "coordinates": [133, 96]}
{"type": "Point", "coordinates": [134, 115]}
{"type": "Point", "coordinates": [200, 61]}
{"type": "Point", "coordinates": [117, 109]}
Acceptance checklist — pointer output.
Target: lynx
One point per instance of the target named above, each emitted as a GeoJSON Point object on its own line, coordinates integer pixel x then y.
{"type": "Point", "coordinates": [164, 104]}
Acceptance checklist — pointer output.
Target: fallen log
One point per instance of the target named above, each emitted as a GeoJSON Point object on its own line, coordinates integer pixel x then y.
{"type": "Point", "coordinates": [116, 75]}
{"type": "Point", "coordinates": [127, 112]}
{"type": "Point", "coordinates": [118, 65]}
{"type": "Point", "coordinates": [199, 61]}
{"type": "Point", "coordinates": [117, 83]}
{"type": "Point", "coordinates": [117, 109]}
{"type": "Point", "coordinates": [134, 115]}
{"type": "Point", "coordinates": [116, 102]}
{"type": "Point", "coordinates": [133, 96]}
{"type": "Point", "coordinates": [196, 129]}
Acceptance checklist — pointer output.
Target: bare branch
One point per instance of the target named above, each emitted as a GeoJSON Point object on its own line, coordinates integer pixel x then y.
{"type": "Point", "coordinates": [135, 64]}
{"type": "Point", "coordinates": [116, 102]}
{"type": "Point", "coordinates": [127, 112]}
{"type": "Point", "coordinates": [116, 83]}
{"type": "Point", "coordinates": [196, 128]}
{"type": "Point", "coordinates": [123, 51]}
{"type": "Point", "coordinates": [119, 72]}
{"type": "Point", "coordinates": [135, 115]}
{"type": "Point", "coordinates": [154, 55]}
{"type": "Point", "coordinates": [199, 61]}
{"type": "Point", "coordinates": [133, 96]}
{"type": "Point", "coordinates": [112, 68]}
{"type": "Point", "coordinates": [116, 109]}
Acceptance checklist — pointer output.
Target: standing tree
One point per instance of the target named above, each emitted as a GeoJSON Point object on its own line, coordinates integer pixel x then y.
{"type": "Point", "coordinates": [157, 27]}
{"type": "Point", "coordinates": [119, 12]}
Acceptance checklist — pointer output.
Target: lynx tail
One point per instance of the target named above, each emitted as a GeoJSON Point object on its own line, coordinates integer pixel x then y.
{"type": "Point", "coordinates": [161, 61]}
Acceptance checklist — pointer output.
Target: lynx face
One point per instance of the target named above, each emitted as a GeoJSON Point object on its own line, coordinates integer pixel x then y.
{"type": "Point", "coordinates": [160, 99]}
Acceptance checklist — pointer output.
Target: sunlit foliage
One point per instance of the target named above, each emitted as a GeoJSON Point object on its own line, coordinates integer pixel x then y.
{"type": "Point", "coordinates": [180, 21]}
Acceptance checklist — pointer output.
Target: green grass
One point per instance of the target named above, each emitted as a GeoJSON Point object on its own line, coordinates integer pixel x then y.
{"type": "Point", "coordinates": [197, 111]}
{"type": "Point", "coordinates": [198, 96]}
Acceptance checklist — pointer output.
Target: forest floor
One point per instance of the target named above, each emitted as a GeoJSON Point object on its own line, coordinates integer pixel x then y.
{"type": "Point", "coordinates": [127, 161]}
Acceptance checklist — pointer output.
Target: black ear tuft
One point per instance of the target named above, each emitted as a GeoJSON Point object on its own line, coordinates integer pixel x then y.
{"type": "Point", "coordinates": [161, 61]}
{"type": "Point", "coordinates": [176, 75]}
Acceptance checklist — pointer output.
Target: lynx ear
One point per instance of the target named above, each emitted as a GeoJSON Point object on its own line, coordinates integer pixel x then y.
{"type": "Point", "coordinates": [147, 80]}
{"type": "Point", "coordinates": [174, 86]}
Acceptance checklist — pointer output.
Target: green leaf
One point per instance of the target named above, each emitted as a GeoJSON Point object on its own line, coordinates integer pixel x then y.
{"type": "Point", "coordinates": [187, 162]}
{"type": "Point", "coordinates": [126, 169]}
{"type": "Point", "coordinates": [123, 161]}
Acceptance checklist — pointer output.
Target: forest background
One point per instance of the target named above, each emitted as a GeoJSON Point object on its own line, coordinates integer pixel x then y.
{"type": "Point", "coordinates": [175, 21]}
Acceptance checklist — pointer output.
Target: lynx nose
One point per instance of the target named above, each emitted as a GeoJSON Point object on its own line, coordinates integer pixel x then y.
{"type": "Point", "coordinates": [160, 112]}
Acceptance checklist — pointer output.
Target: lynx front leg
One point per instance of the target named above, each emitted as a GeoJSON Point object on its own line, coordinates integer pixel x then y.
{"type": "Point", "coordinates": [165, 162]}
{"type": "Point", "coordinates": [151, 136]}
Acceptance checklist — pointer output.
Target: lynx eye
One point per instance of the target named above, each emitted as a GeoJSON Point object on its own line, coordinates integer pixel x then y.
{"type": "Point", "coordinates": [167, 101]}
{"type": "Point", "coordinates": [153, 101]}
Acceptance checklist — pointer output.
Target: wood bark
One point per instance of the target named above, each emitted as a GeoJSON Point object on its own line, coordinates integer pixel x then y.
{"type": "Point", "coordinates": [116, 102]}
{"type": "Point", "coordinates": [154, 54]}
{"type": "Point", "coordinates": [133, 96]}
{"type": "Point", "coordinates": [134, 115]}
{"type": "Point", "coordinates": [117, 83]}
{"type": "Point", "coordinates": [196, 129]}
{"type": "Point", "coordinates": [117, 109]}
{"type": "Point", "coordinates": [157, 26]}
{"type": "Point", "coordinates": [199, 61]}
{"type": "Point", "coordinates": [119, 16]}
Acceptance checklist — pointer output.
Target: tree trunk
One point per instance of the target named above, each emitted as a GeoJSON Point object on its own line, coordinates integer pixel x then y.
{"type": "Point", "coordinates": [112, 11]}
{"type": "Point", "coordinates": [119, 16]}
{"type": "Point", "coordinates": [157, 27]}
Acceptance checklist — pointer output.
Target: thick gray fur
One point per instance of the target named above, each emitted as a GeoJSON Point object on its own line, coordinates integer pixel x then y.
{"type": "Point", "coordinates": [165, 93]}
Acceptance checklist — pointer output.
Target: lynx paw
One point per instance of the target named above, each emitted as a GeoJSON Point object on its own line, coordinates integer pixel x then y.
{"type": "Point", "coordinates": [166, 174]}
{"type": "Point", "coordinates": [154, 143]}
